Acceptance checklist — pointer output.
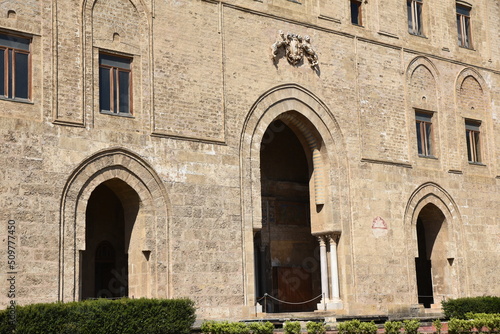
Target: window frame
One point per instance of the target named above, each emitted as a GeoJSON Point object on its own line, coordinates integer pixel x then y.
{"type": "Point", "coordinates": [359, 6]}
{"type": "Point", "coordinates": [424, 127]}
{"type": "Point", "coordinates": [473, 141]}
{"type": "Point", "coordinates": [11, 46]}
{"type": "Point", "coordinates": [464, 28]}
{"type": "Point", "coordinates": [415, 10]}
{"type": "Point", "coordinates": [116, 64]}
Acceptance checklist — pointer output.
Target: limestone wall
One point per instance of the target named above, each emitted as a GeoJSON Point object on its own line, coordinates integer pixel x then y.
{"type": "Point", "coordinates": [205, 89]}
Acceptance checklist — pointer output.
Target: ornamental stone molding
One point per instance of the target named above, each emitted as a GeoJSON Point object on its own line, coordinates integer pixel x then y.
{"type": "Point", "coordinates": [296, 47]}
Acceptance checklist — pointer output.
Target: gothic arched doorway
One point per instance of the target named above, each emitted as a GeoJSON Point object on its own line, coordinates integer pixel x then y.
{"type": "Point", "coordinates": [286, 252]}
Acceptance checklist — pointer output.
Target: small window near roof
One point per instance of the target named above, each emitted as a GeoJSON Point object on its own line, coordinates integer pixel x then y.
{"type": "Point", "coordinates": [356, 17]}
{"type": "Point", "coordinates": [15, 67]}
{"type": "Point", "coordinates": [463, 26]}
{"type": "Point", "coordinates": [115, 84]}
{"type": "Point", "coordinates": [415, 17]}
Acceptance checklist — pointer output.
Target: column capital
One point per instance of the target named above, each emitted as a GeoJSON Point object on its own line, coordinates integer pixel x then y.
{"type": "Point", "coordinates": [321, 240]}
{"type": "Point", "coordinates": [333, 237]}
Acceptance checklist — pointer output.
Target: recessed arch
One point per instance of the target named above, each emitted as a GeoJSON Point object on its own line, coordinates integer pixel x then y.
{"type": "Point", "coordinates": [482, 93]}
{"type": "Point", "coordinates": [421, 61]}
{"type": "Point", "coordinates": [130, 177]}
{"type": "Point", "coordinates": [422, 81]}
{"type": "Point", "coordinates": [314, 125]}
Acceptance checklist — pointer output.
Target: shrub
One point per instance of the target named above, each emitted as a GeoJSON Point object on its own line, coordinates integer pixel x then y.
{"type": "Point", "coordinates": [261, 327]}
{"type": "Point", "coordinates": [368, 328]}
{"type": "Point", "coordinates": [357, 327]}
{"type": "Point", "coordinates": [392, 327]}
{"type": "Point", "coordinates": [292, 327]}
{"type": "Point", "coordinates": [224, 327]}
{"type": "Point", "coordinates": [124, 316]}
{"type": "Point", "coordinates": [458, 308]}
{"type": "Point", "coordinates": [411, 326]}
{"type": "Point", "coordinates": [490, 321]}
{"type": "Point", "coordinates": [315, 328]}
{"type": "Point", "coordinates": [457, 326]}
{"type": "Point", "coordinates": [437, 325]}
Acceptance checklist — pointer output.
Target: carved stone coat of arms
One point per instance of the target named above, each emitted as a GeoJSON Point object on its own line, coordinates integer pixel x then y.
{"type": "Point", "coordinates": [296, 47]}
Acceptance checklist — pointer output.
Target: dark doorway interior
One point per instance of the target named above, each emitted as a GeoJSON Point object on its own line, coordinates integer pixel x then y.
{"type": "Point", "coordinates": [431, 262]}
{"type": "Point", "coordinates": [105, 260]}
{"type": "Point", "coordinates": [423, 267]}
{"type": "Point", "coordinates": [287, 254]}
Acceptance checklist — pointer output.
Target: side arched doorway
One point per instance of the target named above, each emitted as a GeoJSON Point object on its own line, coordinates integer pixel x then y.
{"type": "Point", "coordinates": [114, 230]}
{"type": "Point", "coordinates": [437, 267]}
{"type": "Point", "coordinates": [431, 263]}
{"type": "Point", "coordinates": [288, 254]}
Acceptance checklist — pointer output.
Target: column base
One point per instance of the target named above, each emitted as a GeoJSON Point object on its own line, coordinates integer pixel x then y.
{"type": "Point", "coordinates": [330, 305]}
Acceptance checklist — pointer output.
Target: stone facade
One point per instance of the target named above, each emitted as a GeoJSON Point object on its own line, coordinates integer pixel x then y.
{"type": "Point", "coordinates": [238, 174]}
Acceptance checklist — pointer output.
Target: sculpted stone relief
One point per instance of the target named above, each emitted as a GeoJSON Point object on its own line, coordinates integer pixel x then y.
{"type": "Point", "coordinates": [296, 47]}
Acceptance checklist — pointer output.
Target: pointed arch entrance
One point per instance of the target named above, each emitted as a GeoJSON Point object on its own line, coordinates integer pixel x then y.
{"type": "Point", "coordinates": [114, 230]}
{"type": "Point", "coordinates": [292, 153]}
{"type": "Point", "coordinates": [435, 246]}
{"type": "Point", "coordinates": [288, 255]}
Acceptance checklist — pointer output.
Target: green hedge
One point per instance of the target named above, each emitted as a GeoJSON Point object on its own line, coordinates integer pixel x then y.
{"type": "Point", "coordinates": [458, 308]}
{"type": "Point", "coordinates": [226, 327]}
{"type": "Point", "coordinates": [123, 316]}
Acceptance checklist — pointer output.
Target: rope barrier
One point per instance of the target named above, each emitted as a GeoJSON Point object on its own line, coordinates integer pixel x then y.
{"type": "Point", "coordinates": [289, 303]}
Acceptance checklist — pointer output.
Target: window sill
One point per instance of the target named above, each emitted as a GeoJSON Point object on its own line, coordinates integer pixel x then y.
{"type": "Point", "coordinates": [466, 48]}
{"type": "Point", "coordinates": [126, 115]}
{"type": "Point", "coordinates": [357, 25]}
{"type": "Point", "coordinates": [475, 163]}
{"type": "Point", "coordinates": [18, 100]}
{"type": "Point", "coordinates": [427, 157]}
{"type": "Point", "coordinates": [417, 35]}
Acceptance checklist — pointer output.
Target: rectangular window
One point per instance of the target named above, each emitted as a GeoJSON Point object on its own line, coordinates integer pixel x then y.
{"type": "Point", "coordinates": [415, 17]}
{"type": "Point", "coordinates": [115, 84]}
{"type": "Point", "coordinates": [472, 136]}
{"type": "Point", "coordinates": [356, 12]}
{"type": "Point", "coordinates": [15, 67]}
{"type": "Point", "coordinates": [424, 134]}
{"type": "Point", "coordinates": [463, 26]}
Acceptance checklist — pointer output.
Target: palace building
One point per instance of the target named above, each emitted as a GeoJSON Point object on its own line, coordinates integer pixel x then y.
{"type": "Point", "coordinates": [261, 157]}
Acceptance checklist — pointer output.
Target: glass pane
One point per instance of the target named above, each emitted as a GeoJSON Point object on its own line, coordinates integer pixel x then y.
{"type": "Point", "coordinates": [410, 20]}
{"type": "Point", "coordinates": [2, 72]}
{"type": "Point", "coordinates": [15, 42]}
{"type": "Point", "coordinates": [104, 89]}
{"type": "Point", "coordinates": [354, 12]}
{"type": "Point", "coordinates": [124, 92]}
{"type": "Point", "coordinates": [420, 116]}
{"type": "Point", "coordinates": [419, 18]}
{"type": "Point", "coordinates": [114, 61]}
{"type": "Point", "coordinates": [21, 76]}
{"type": "Point", "coordinates": [428, 128]}
{"type": "Point", "coordinates": [466, 32]}
{"type": "Point", "coordinates": [477, 147]}
{"type": "Point", "coordinates": [463, 10]}
{"type": "Point", "coordinates": [419, 139]}
{"type": "Point", "coordinates": [468, 139]}
{"type": "Point", "coordinates": [114, 94]}
{"type": "Point", "coordinates": [9, 75]}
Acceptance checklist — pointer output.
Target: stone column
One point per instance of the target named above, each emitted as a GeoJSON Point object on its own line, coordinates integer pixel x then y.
{"type": "Point", "coordinates": [334, 270]}
{"type": "Point", "coordinates": [324, 269]}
